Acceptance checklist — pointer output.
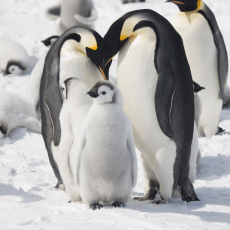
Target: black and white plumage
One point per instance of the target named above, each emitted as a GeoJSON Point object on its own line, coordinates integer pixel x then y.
{"type": "Point", "coordinates": [76, 54]}
{"type": "Point", "coordinates": [207, 55]}
{"type": "Point", "coordinates": [156, 83]}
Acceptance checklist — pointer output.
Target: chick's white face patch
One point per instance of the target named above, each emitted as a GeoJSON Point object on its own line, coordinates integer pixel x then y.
{"type": "Point", "coordinates": [105, 95]}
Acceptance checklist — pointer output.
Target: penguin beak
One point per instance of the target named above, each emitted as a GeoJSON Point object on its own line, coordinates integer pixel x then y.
{"type": "Point", "coordinates": [176, 2]}
{"type": "Point", "coordinates": [102, 72]}
{"type": "Point", "coordinates": [93, 94]}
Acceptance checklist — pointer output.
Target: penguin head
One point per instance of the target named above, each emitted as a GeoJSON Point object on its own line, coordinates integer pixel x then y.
{"type": "Point", "coordinates": [187, 5]}
{"type": "Point", "coordinates": [14, 68]}
{"type": "Point", "coordinates": [50, 40]}
{"type": "Point", "coordinates": [120, 32]}
{"type": "Point", "coordinates": [88, 42]}
{"type": "Point", "coordinates": [104, 92]}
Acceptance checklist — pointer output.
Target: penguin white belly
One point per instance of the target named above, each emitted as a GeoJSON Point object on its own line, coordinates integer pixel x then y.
{"type": "Point", "coordinates": [75, 64]}
{"type": "Point", "coordinates": [202, 57]}
{"type": "Point", "coordinates": [137, 80]}
{"type": "Point", "coordinates": [105, 166]}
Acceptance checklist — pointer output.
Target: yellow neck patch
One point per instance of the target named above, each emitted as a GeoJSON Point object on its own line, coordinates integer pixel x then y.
{"type": "Point", "coordinates": [123, 37]}
{"type": "Point", "coordinates": [199, 3]}
{"type": "Point", "coordinates": [93, 47]}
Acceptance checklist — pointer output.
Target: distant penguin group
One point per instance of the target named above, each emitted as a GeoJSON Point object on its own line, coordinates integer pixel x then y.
{"type": "Point", "coordinates": [73, 13]}
{"type": "Point", "coordinates": [169, 79]}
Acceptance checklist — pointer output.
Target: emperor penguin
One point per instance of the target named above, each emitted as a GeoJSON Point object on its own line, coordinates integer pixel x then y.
{"type": "Point", "coordinates": [75, 107]}
{"type": "Point", "coordinates": [73, 13]}
{"type": "Point", "coordinates": [106, 164]}
{"type": "Point", "coordinates": [16, 111]}
{"type": "Point", "coordinates": [14, 59]}
{"type": "Point", "coordinates": [33, 88]}
{"type": "Point", "coordinates": [156, 83]}
{"type": "Point", "coordinates": [75, 54]}
{"type": "Point", "coordinates": [207, 57]}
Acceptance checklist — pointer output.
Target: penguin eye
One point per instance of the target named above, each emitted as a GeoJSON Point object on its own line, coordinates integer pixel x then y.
{"type": "Point", "coordinates": [62, 89]}
{"type": "Point", "coordinates": [103, 93]}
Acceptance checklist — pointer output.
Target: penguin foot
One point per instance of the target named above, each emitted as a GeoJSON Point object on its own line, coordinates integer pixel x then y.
{"type": "Point", "coordinates": [189, 196]}
{"type": "Point", "coordinates": [149, 196]}
{"type": "Point", "coordinates": [161, 201]}
{"type": "Point", "coordinates": [96, 206]}
{"type": "Point", "coordinates": [117, 204]}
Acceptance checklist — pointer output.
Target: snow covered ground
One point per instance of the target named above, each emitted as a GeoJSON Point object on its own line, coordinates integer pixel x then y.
{"type": "Point", "coordinates": [27, 197]}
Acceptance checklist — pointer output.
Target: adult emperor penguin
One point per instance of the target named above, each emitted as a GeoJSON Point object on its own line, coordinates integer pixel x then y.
{"type": "Point", "coordinates": [33, 88]}
{"type": "Point", "coordinates": [106, 164]}
{"type": "Point", "coordinates": [77, 53]}
{"type": "Point", "coordinates": [14, 59]}
{"type": "Point", "coordinates": [156, 83]}
{"type": "Point", "coordinates": [73, 13]}
{"type": "Point", "coordinates": [207, 57]}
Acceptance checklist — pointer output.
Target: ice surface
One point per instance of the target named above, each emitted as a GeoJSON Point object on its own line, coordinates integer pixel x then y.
{"type": "Point", "coordinates": [27, 197]}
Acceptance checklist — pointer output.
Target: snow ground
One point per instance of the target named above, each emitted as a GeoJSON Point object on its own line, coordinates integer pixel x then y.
{"type": "Point", "coordinates": [27, 197]}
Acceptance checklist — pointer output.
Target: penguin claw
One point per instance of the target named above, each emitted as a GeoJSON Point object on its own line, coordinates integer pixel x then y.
{"type": "Point", "coordinates": [117, 204]}
{"type": "Point", "coordinates": [158, 202]}
{"type": "Point", "coordinates": [96, 206]}
{"type": "Point", "coordinates": [149, 196]}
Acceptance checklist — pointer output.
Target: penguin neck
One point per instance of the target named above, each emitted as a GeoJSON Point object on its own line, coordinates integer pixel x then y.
{"type": "Point", "coordinates": [186, 18]}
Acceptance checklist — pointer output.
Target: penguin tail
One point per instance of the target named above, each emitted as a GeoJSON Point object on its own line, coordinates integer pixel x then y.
{"type": "Point", "coordinates": [88, 21]}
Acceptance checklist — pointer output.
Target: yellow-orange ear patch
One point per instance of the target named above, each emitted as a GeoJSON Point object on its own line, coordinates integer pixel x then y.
{"type": "Point", "coordinates": [93, 47]}
{"type": "Point", "coordinates": [199, 3]}
{"type": "Point", "coordinates": [123, 37]}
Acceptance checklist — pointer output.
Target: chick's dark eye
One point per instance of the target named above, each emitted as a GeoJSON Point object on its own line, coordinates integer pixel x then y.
{"type": "Point", "coordinates": [103, 92]}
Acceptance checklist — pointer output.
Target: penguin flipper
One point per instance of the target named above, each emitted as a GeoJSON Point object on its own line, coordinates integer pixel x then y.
{"type": "Point", "coordinates": [163, 100]}
{"type": "Point", "coordinates": [221, 48]}
{"type": "Point", "coordinates": [88, 21]}
{"type": "Point", "coordinates": [53, 12]}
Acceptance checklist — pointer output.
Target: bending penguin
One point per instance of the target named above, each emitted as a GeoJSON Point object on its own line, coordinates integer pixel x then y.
{"type": "Point", "coordinates": [33, 88]}
{"type": "Point", "coordinates": [75, 54]}
{"type": "Point", "coordinates": [16, 111]}
{"type": "Point", "coordinates": [198, 28]}
{"type": "Point", "coordinates": [156, 83]}
{"type": "Point", "coordinates": [106, 147]}
{"type": "Point", "coordinates": [14, 59]}
{"type": "Point", "coordinates": [73, 13]}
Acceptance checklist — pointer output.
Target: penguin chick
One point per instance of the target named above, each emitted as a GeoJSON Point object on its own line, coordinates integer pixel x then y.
{"type": "Point", "coordinates": [106, 165]}
{"type": "Point", "coordinates": [16, 111]}
{"type": "Point", "coordinates": [75, 107]}
{"type": "Point", "coordinates": [14, 59]}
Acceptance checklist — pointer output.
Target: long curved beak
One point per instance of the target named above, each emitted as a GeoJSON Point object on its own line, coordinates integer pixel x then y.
{"type": "Point", "coordinates": [178, 2]}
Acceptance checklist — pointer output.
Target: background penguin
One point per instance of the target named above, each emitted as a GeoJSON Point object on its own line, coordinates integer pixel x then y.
{"type": "Point", "coordinates": [106, 164]}
{"type": "Point", "coordinates": [73, 13]}
{"type": "Point", "coordinates": [77, 53]}
{"type": "Point", "coordinates": [207, 57]}
{"type": "Point", "coordinates": [156, 83]}
{"type": "Point", "coordinates": [75, 108]}
{"type": "Point", "coordinates": [16, 111]}
{"type": "Point", "coordinates": [33, 88]}
{"type": "Point", "coordinates": [14, 59]}
{"type": "Point", "coordinates": [227, 95]}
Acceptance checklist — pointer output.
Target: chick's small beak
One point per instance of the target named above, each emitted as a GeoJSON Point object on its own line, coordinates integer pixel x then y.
{"type": "Point", "coordinates": [93, 94]}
